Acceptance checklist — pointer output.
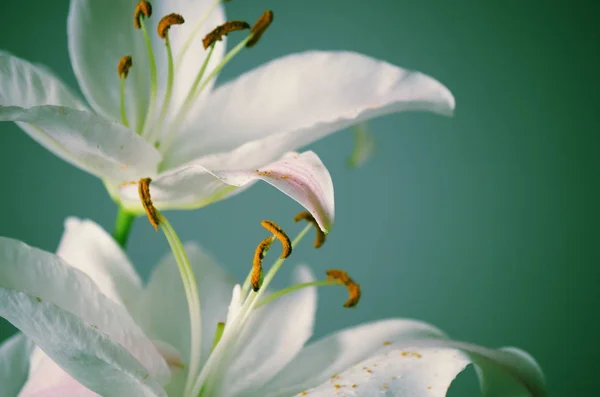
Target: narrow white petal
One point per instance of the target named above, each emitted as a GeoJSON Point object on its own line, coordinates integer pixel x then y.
{"type": "Point", "coordinates": [99, 146]}
{"type": "Point", "coordinates": [28, 275]}
{"type": "Point", "coordinates": [272, 338]}
{"type": "Point", "coordinates": [14, 364]}
{"type": "Point", "coordinates": [330, 355]}
{"type": "Point", "coordinates": [303, 177]}
{"type": "Point", "coordinates": [295, 100]}
{"type": "Point", "coordinates": [87, 247]}
{"type": "Point", "coordinates": [80, 348]}
{"type": "Point", "coordinates": [162, 308]}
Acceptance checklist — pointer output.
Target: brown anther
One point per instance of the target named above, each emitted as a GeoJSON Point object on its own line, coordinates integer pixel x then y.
{"type": "Point", "coordinates": [167, 22]}
{"type": "Point", "coordinates": [143, 8]}
{"type": "Point", "coordinates": [352, 287]}
{"type": "Point", "coordinates": [223, 30]}
{"type": "Point", "coordinates": [307, 216]}
{"type": "Point", "coordinates": [283, 238]}
{"type": "Point", "coordinates": [144, 192]}
{"type": "Point", "coordinates": [260, 26]}
{"type": "Point", "coordinates": [124, 65]}
{"type": "Point", "coordinates": [259, 254]}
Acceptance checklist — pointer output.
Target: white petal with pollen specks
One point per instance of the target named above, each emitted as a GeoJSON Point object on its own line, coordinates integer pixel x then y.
{"type": "Point", "coordinates": [103, 148]}
{"type": "Point", "coordinates": [297, 99]}
{"type": "Point", "coordinates": [29, 276]}
{"type": "Point", "coordinates": [428, 367]}
{"type": "Point", "coordinates": [328, 356]}
{"type": "Point", "coordinates": [14, 364]}
{"type": "Point", "coordinates": [302, 176]}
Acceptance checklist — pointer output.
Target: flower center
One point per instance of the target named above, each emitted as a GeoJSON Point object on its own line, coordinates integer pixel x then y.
{"type": "Point", "coordinates": [153, 125]}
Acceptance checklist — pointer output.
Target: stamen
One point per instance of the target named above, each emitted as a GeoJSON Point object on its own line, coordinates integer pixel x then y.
{"type": "Point", "coordinates": [280, 235]}
{"type": "Point", "coordinates": [166, 22]}
{"type": "Point", "coordinates": [353, 287]}
{"type": "Point", "coordinates": [222, 30]}
{"type": "Point", "coordinates": [260, 27]}
{"type": "Point", "coordinates": [125, 64]}
{"type": "Point", "coordinates": [143, 8]}
{"type": "Point", "coordinates": [259, 254]}
{"type": "Point", "coordinates": [163, 29]}
{"type": "Point", "coordinates": [123, 70]}
{"type": "Point", "coordinates": [307, 216]}
{"type": "Point", "coordinates": [144, 192]}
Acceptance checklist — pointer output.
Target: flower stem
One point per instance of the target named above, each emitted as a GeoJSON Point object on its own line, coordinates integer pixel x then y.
{"type": "Point", "coordinates": [123, 226]}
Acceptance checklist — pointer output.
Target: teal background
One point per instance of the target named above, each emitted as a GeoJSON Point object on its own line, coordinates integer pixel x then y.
{"type": "Point", "coordinates": [485, 224]}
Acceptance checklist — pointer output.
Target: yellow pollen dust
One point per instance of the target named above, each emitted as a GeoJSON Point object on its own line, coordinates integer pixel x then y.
{"type": "Point", "coordinates": [259, 27]}
{"type": "Point", "coordinates": [223, 30]}
{"type": "Point", "coordinates": [352, 287]}
{"type": "Point", "coordinates": [307, 216]}
{"type": "Point", "coordinates": [259, 255]}
{"type": "Point", "coordinates": [124, 65]}
{"type": "Point", "coordinates": [143, 8]}
{"type": "Point", "coordinates": [280, 235]}
{"type": "Point", "coordinates": [166, 22]}
{"type": "Point", "coordinates": [144, 192]}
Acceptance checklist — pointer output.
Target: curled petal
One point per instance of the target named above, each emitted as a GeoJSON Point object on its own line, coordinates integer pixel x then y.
{"type": "Point", "coordinates": [14, 364]}
{"type": "Point", "coordinates": [302, 176]}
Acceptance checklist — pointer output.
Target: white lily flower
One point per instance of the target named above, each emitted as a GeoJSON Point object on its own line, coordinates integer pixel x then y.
{"type": "Point", "coordinates": [162, 119]}
{"type": "Point", "coordinates": [98, 331]}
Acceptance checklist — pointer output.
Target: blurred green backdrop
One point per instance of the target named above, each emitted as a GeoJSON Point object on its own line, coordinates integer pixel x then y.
{"type": "Point", "coordinates": [485, 224]}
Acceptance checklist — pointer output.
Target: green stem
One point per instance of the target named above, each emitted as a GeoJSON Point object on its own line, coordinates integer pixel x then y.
{"type": "Point", "coordinates": [123, 226]}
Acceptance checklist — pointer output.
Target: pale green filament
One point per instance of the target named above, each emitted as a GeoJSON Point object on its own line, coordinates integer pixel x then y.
{"type": "Point", "coordinates": [187, 104]}
{"type": "Point", "coordinates": [221, 65]}
{"type": "Point", "coordinates": [278, 294]}
{"type": "Point", "coordinates": [239, 321]}
{"type": "Point", "coordinates": [169, 90]}
{"type": "Point", "coordinates": [218, 334]}
{"type": "Point", "coordinates": [191, 292]}
{"type": "Point", "coordinates": [197, 28]}
{"type": "Point", "coordinates": [153, 79]}
{"type": "Point", "coordinates": [123, 110]}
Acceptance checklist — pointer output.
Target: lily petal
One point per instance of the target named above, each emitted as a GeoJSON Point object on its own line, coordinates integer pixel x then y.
{"type": "Point", "coordinates": [274, 335]}
{"type": "Point", "coordinates": [165, 316]}
{"type": "Point", "coordinates": [295, 100]}
{"type": "Point", "coordinates": [303, 177]}
{"type": "Point", "coordinates": [330, 355]}
{"type": "Point", "coordinates": [101, 147]}
{"type": "Point", "coordinates": [89, 355]}
{"type": "Point", "coordinates": [14, 364]}
{"type": "Point", "coordinates": [427, 368]}
{"type": "Point", "coordinates": [38, 286]}
{"type": "Point", "coordinates": [100, 33]}
{"type": "Point", "coordinates": [87, 247]}
{"type": "Point", "coordinates": [26, 85]}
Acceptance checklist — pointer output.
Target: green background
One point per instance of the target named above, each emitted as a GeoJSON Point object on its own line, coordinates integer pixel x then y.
{"type": "Point", "coordinates": [485, 224]}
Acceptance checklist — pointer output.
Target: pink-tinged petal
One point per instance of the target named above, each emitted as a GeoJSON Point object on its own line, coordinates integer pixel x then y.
{"type": "Point", "coordinates": [301, 176]}
{"type": "Point", "coordinates": [38, 285]}
{"type": "Point", "coordinates": [97, 145]}
{"type": "Point", "coordinates": [300, 98]}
